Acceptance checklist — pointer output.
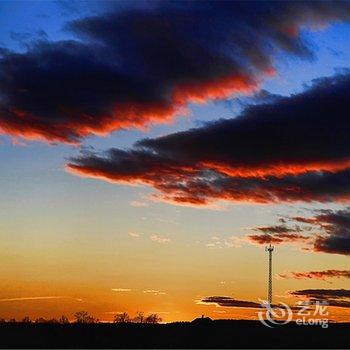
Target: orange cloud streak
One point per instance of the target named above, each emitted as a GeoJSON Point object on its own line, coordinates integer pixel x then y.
{"type": "Point", "coordinates": [278, 170]}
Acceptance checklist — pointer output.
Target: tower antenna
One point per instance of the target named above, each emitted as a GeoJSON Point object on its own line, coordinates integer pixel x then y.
{"type": "Point", "coordinates": [270, 249]}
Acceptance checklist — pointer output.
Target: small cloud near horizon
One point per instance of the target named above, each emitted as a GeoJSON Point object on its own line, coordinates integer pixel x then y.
{"type": "Point", "coordinates": [159, 239]}
{"type": "Point", "coordinates": [154, 292]}
{"type": "Point", "coordinates": [224, 301]}
{"type": "Point", "coordinates": [39, 298]}
{"type": "Point", "coordinates": [121, 289]}
{"type": "Point", "coordinates": [135, 234]}
{"type": "Point", "coordinates": [139, 204]}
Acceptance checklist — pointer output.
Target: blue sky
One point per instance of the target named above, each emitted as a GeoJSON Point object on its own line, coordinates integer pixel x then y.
{"type": "Point", "coordinates": [37, 162]}
{"type": "Point", "coordinates": [31, 162]}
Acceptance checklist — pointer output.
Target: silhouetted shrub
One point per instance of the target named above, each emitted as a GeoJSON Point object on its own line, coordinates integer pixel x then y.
{"type": "Point", "coordinates": [63, 320]}
{"type": "Point", "coordinates": [84, 317]}
{"type": "Point", "coordinates": [153, 318]}
{"type": "Point", "coordinates": [139, 318]}
{"type": "Point", "coordinates": [26, 319]}
{"type": "Point", "coordinates": [122, 318]}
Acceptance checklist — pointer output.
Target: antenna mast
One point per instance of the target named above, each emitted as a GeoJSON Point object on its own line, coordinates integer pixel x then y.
{"type": "Point", "coordinates": [270, 249]}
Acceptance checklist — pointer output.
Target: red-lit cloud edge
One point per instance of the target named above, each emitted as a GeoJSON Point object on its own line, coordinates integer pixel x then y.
{"type": "Point", "coordinates": [114, 77]}
{"type": "Point", "coordinates": [327, 231]}
{"type": "Point", "coordinates": [292, 149]}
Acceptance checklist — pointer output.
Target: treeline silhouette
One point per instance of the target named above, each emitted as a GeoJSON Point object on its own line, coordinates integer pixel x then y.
{"type": "Point", "coordinates": [83, 317]}
{"type": "Point", "coordinates": [217, 334]}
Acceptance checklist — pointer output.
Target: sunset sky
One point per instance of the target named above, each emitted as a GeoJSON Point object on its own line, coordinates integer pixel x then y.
{"type": "Point", "coordinates": [150, 150]}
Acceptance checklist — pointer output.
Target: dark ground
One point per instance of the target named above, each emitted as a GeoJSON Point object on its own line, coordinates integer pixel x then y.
{"type": "Point", "coordinates": [216, 334]}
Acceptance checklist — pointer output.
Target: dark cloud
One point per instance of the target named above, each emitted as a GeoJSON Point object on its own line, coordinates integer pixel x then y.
{"type": "Point", "coordinates": [225, 301]}
{"type": "Point", "coordinates": [130, 68]}
{"type": "Point", "coordinates": [277, 234]}
{"type": "Point", "coordinates": [335, 226]}
{"type": "Point", "coordinates": [24, 37]}
{"type": "Point", "coordinates": [338, 303]}
{"type": "Point", "coordinates": [333, 244]}
{"type": "Point", "coordinates": [293, 149]}
{"type": "Point", "coordinates": [319, 275]}
{"type": "Point", "coordinates": [277, 229]}
{"type": "Point", "coordinates": [333, 297]}
{"type": "Point", "coordinates": [292, 135]}
{"type": "Point", "coordinates": [328, 231]}
{"type": "Point", "coordinates": [230, 302]}
{"type": "Point", "coordinates": [330, 220]}
{"type": "Point", "coordinates": [278, 238]}
{"type": "Point", "coordinates": [323, 293]}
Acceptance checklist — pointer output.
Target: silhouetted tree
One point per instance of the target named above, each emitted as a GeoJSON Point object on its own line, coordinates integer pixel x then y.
{"type": "Point", "coordinates": [40, 320]}
{"type": "Point", "coordinates": [63, 320]}
{"type": "Point", "coordinates": [139, 318]}
{"type": "Point", "coordinates": [26, 319]}
{"type": "Point", "coordinates": [84, 317]}
{"type": "Point", "coordinates": [2, 320]}
{"type": "Point", "coordinates": [12, 320]}
{"type": "Point", "coordinates": [122, 318]}
{"type": "Point", "coordinates": [153, 318]}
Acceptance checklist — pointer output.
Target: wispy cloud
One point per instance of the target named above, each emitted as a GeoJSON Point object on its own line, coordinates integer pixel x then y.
{"type": "Point", "coordinates": [139, 204]}
{"type": "Point", "coordinates": [220, 311]}
{"type": "Point", "coordinates": [319, 275]}
{"type": "Point", "coordinates": [154, 292]}
{"type": "Point", "coordinates": [159, 239]}
{"type": "Point", "coordinates": [121, 289]}
{"type": "Point", "coordinates": [135, 234]}
{"type": "Point", "coordinates": [228, 242]}
{"type": "Point", "coordinates": [39, 298]}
